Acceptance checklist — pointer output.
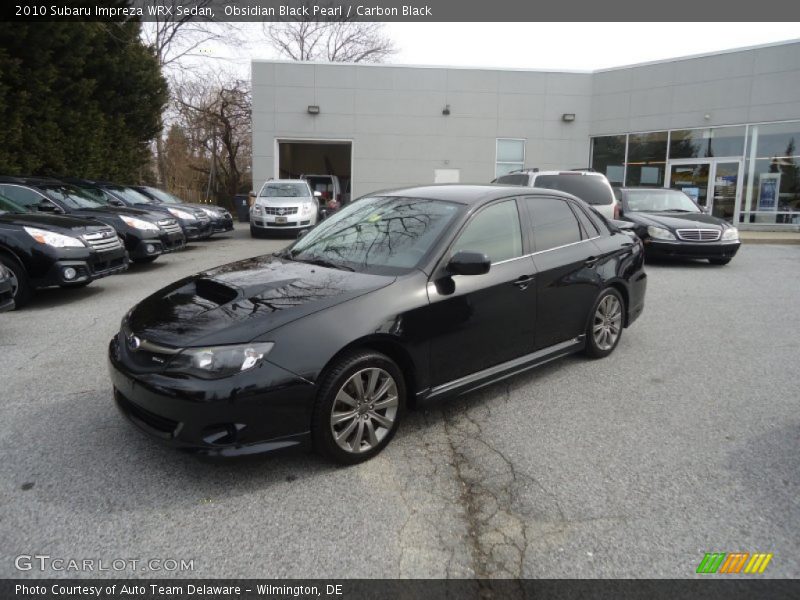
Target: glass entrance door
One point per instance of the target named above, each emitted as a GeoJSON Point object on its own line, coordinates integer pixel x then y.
{"type": "Point", "coordinates": [712, 183]}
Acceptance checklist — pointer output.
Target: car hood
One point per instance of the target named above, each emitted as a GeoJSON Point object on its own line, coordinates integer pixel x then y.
{"type": "Point", "coordinates": [238, 302]}
{"type": "Point", "coordinates": [677, 220]}
{"type": "Point", "coordinates": [116, 211]}
{"type": "Point", "coordinates": [56, 223]}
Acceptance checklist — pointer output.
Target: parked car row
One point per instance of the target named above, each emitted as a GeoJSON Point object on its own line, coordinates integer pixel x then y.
{"type": "Point", "coordinates": [68, 233]}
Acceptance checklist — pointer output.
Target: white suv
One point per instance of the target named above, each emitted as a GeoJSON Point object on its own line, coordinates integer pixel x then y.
{"type": "Point", "coordinates": [283, 204]}
{"type": "Point", "coordinates": [593, 188]}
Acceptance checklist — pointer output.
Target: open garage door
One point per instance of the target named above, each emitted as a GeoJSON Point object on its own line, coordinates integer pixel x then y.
{"type": "Point", "coordinates": [298, 158]}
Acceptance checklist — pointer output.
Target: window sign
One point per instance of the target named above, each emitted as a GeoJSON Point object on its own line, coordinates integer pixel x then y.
{"type": "Point", "coordinates": [768, 186]}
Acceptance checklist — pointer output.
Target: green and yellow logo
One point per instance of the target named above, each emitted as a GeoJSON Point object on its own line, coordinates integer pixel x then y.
{"type": "Point", "coordinates": [734, 562]}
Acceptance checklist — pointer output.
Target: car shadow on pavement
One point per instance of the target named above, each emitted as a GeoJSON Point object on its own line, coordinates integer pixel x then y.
{"type": "Point", "coordinates": [52, 297]}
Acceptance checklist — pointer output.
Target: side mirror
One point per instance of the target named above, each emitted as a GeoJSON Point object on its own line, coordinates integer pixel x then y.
{"type": "Point", "coordinates": [115, 202]}
{"type": "Point", "coordinates": [317, 194]}
{"type": "Point", "coordinates": [45, 206]}
{"type": "Point", "coordinates": [465, 262]}
{"type": "Point", "coordinates": [623, 225]}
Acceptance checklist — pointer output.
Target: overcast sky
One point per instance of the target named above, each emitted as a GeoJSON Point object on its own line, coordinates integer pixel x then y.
{"type": "Point", "coordinates": [561, 46]}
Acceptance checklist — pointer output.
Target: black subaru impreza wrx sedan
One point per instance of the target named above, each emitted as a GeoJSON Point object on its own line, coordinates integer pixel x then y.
{"type": "Point", "coordinates": [401, 297]}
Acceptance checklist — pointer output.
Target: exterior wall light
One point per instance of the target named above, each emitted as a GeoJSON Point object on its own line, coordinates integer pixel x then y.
{"type": "Point", "coordinates": [446, 110]}
{"type": "Point", "coordinates": [568, 117]}
{"type": "Point", "coordinates": [313, 109]}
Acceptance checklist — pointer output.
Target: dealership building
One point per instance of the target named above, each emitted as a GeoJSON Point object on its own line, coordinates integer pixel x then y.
{"type": "Point", "coordinates": [723, 127]}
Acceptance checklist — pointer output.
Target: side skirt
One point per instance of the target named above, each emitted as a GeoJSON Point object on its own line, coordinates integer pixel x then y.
{"type": "Point", "coordinates": [480, 379]}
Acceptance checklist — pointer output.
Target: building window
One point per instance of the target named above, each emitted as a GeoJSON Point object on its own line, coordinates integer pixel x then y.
{"type": "Point", "coordinates": [647, 159]}
{"type": "Point", "coordinates": [510, 156]}
{"type": "Point", "coordinates": [608, 157]}
{"type": "Point", "coordinates": [772, 175]}
{"type": "Point", "coordinates": [707, 143]}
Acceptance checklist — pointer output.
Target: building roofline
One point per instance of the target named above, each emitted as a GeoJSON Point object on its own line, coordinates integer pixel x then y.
{"type": "Point", "coordinates": [521, 70]}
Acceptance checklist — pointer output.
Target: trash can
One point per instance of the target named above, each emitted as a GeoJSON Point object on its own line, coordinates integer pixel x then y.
{"type": "Point", "coordinates": [242, 209]}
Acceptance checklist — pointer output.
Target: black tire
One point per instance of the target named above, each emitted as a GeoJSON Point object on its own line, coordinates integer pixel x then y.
{"type": "Point", "coordinates": [22, 294]}
{"type": "Point", "coordinates": [254, 233]}
{"type": "Point", "coordinates": [600, 348]}
{"type": "Point", "coordinates": [338, 377]}
{"type": "Point", "coordinates": [719, 261]}
{"type": "Point", "coordinates": [144, 260]}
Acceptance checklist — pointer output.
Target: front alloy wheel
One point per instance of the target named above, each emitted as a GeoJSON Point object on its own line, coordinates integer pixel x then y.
{"type": "Point", "coordinates": [605, 326]}
{"type": "Point", "coordinates": [364, 410]}
{"type": "Point", "coordinates": [359, 405]}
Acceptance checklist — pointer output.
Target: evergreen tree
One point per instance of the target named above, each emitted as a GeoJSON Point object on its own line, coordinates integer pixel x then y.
{"type": "Point", "coordinates": [77, 98]}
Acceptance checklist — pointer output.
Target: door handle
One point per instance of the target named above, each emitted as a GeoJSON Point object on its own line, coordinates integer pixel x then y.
{"type": "Point", "coordinates": [591, 261]}
{"type": "Point", "coordinates": [523, 282]}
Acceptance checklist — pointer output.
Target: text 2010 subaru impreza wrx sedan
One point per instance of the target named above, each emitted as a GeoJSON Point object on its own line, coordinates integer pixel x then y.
{"type": "Point", "coordinates": [400, 298]}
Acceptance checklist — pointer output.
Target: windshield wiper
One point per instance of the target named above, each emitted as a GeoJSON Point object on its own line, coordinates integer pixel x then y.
{"type": "Point", "coordinates": [321, 262]}
{"type": "Point", "coordinates": [681, 210]}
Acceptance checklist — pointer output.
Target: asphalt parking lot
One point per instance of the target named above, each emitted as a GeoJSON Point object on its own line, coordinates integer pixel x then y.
{"type": "Point", "coordinates": [685, 441]}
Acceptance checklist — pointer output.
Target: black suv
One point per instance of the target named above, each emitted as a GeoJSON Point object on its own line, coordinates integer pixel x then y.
{"type": "Point", "coordinates": [47, 250]}
{"type": "Point", "coordinates": [145, 235]}
{"type": "Point", "coordinates": [221, 219]}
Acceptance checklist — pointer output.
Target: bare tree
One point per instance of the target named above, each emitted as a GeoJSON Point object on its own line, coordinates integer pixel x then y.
{"type": "Point", "coordinates": [335, 40]}
{"type": "Point", "coordinates": [214, 115]}
{"type": "Point", "coordinates": [174, 37]}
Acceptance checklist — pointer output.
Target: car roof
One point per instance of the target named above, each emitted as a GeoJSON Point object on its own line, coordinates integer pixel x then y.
{"type": "Point", "coordinates": [285, 181]}
{"type": "Point", "coordinates": [466, 193]}
{"type": "Point", "coordinates": [649, 189]}
{"type": "Point", "coordinates": [33, 181]}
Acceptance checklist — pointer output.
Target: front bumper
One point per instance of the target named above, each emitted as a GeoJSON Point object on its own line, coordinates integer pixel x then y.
{"type": "Point", "coordinates": [247, 413]}
{"type": "Point", "coordinates": [222, 224]}
{"type": "Point", "coordinates": [197, 230]}
{"type": "Point", "coordinates": [679, 249]}
{"type": "Point", "coordinates": [289, 221]}
{"type": "Point", "coordinates": [99, 265]}
{"type": "Point", "coordinates": [6, 297]}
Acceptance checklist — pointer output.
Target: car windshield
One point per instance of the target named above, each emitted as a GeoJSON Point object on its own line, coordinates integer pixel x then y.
{"type": "Point", "coordinates": [162, 196]}
{"type": "Point", "coordinates": [97, 194]}
{"type": "Point", "coordinates": [659, 201]}
{"type": "Point", "coordinates": [129, 194]}
{"type": "Point", "coordinates": [70, 196]}
{"type": "Point", "coordinates": [285, 190]}
{"type": "Point", "coordinates": [9, 206]}
{"type": "Point", "coordinates": [382, 234]}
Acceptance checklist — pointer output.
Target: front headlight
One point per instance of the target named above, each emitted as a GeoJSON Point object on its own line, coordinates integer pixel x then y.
{"type": "Point", "coordinates": [306, 208]}
{"type": "Point", "coordinates": [730, 235]}
{"type": "Point", "coordinates": [659, 233]}
{"type": "Point", "coordinates": [56, 240]}
{"type": "Point", "coordinates": [139, 223]}
{"type": "Point", "coordinates": [181, 214]}
{"type": "Point", "coordinates": [219, 361]}
{"type": "Point", "coordinates": [210, 212]}
{"type": "Point", "coordinates": [256, 209]}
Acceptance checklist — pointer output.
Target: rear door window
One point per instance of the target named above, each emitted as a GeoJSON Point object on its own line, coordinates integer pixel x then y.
{"type": "Point", "coordinates": [21, 195]}
{"type": "Point", "coordinates": [592, 190]}
{"type": "Point", "coordinates": [553, 222]}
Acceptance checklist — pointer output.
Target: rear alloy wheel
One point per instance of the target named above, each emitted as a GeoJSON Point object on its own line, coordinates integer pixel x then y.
{"type": "Point", "coordinates": [20, 287]}
{"type": "Point", "coordinates": [359, 407]}
{"type": "Point", "coordinates": [605, 325]}
{"type": "Point", "coordinates": [719, 261]}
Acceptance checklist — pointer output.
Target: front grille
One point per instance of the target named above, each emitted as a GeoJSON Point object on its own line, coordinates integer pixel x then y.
{"type": "Point", "coordinates": [280, 210]}
{"type": "Point", "coordinates": [166, 427]}
{"type": "Point", "coordinates": [102, 240]}
{"type": "Point", "coordinates": [170, 226]}
{"type": "Point", "coordinates": [699, 235]}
